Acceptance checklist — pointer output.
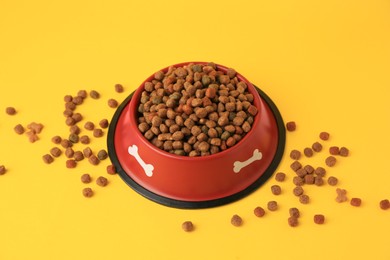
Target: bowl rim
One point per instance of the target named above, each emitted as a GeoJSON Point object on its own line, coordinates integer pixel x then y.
{"type": "Point", "coordinates": [134, 102]}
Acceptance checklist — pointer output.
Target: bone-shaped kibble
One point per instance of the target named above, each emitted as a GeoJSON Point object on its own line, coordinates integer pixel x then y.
{"type": "Point", "coordinates": [239, 165]}
{"type": "Point", "coordinates": [148, 168]}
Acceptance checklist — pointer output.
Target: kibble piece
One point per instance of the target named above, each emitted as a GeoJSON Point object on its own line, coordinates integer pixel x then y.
{"type": "Point", "coordinates": [272, 205]}
{"type": "Point", "coordinates": [102, 155]}
{"type": "Point", "coordinates": [276, 189]}
{"type": "Point", "coordinates": [308, 152]}
{"type": "Point", "coordinates": [55, 151]}
{"type": "Point", "coordinates": [78, 156]}
{"type": "Point", "coordinates": [341, 195]}
{"type": "Point", "coordinates": [259, 212]}
{"type": "Point", "coordinates": [32, 136]}
{"type": "Point", "coordinates": [324, 136]}
{"type": "Point", "coordinates": [295, 154]}
{"type": "Point", "coordinates": [293, 221]}
{"type": "Point", "coordinates": [309, 169]}
{"type": "Point", "coordinates": [304, 199]}
{"type": "Point", "coordinates": [356, 202]}
{"type": "Point", "coordinates": [112, 103]}
{"type": "Point", "coordinates": [317, 147]}
{"type": "Point", "coordinates": [98, 132]}
{"type": "Point", "coordinates": [187, 226]}
{"type": "Point", "coordinates": [74, 138]}
{"type": "Point", "coordinates": [332, 181]}
{"type": "Point", "coordinates": [86, 178]}
{"type": "Point", "coordinates": [384, 204]}
{"type": "Point", "coordinates": [48, 159]}
{"type": "Point", "coordinates": [334, 150]}
{"type": "Point", "coordinates": [319, 219]}
{"type": "Point", "coordinates": [89, 125]}
{"type": "Point", "coordinates": [330, 161]}
{"type": "Point", "coordinates": [85, 139]}
{"type": "Point", "coordinates": [301, 172]}
{"type": "Point", "coordinates": [291, 126]}
{"type": "Point", "coordinates": [320, 171]}
{"type": "Point", "coordinates": [280, 176]}
{"type": "Point", "coordinates": [294, 212]}
{"type": "Point", "coordinates": [236, 220]}
{"type": "Point", "coordinates": [344, 152]}
{"type": "Point", "coordinates": [19, 129]}
{"type": "Point", "coordinates": [111, 169]}
{"type": "Point", "coordinates": [87, 152]}
{"type": "Point", "coordinates": [296, 166]}
{"type": "Point", "coordinates": [68, 98]}
{"type": "Point", "coordinates": [309, 179]}
{"type": "Point", "coordinates": [87, 192]}
{"type": "Point", "coordinates": [3, 170]}
{"type": "Point", "coordinates": [35, 127]}
{"type": "Point", "coordinates": [298, 181]}
{"type": "Point", "coordinates": [102, 181]}
{"type": "Point", "coordinates": [69, 152]}
{"type": "Point", "coordinates": [82, 93]}
{"type": "Point", "coordinates": [74, 129]}
{"type": "Point", "coordinates": [70, 121]}
{"type": "Point", "coordinates": [103, 123]}
{"type": "Point", "coordinates": [118, 88]}
{"type": "Point", "coordinates": [93, 160]}
{"type": "Point", "coordinates": [10, 111]}
{"type": "Point", "coordinates": [71, 164]}
{"type": "Point", "coordinates": [298, 191]}
{"type": "Point", "coordinates": [94, 94]}
{"type": "Point", "coordinates": [318, 181]}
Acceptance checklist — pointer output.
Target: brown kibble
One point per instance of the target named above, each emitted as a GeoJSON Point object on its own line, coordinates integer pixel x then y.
{"type": "Point", "coordinates": [3, 170]}
{"type": "Point", "coordinates": [272, 205]}
{"type": "Point", "coordinates": [103, 123]}
{"type": "Point", "coordinates": [71, 164]}
{"type": "Point", "coordinates": [35, 127]}
{"type": "Point", "coordinates": [317, 147]}
{"type": "Point", "coordinates": [19, 129]}
{"type": "Point", "coordinates": [102, 155]}
{"type": "Point", "coordinates": [293, 221]}
{"type": "Point", "coordinates": [384, 204]}
{"type": "Point", "coordinates": [98, 132]}
{"type": "Point", "coordinates": [276, 190]}
{"type": "Point", "coordinates": [319, 219]}
{"type": "Point", "coordinates": [78, 156]}
{"type": "Point", "coordinates": [112, 103]}
{"type": "Point", "coordinates": [119, 88]}
{"type": "Point", "coordinates": [298, 181]}
{"type": "Point", "coordinates": [298, 191]}
{"type": "Point", "coordinates": [356, 202]}
{"type": "Point", "coordinates": [85, 139]}
{"type": "Point", "coordinates": [259, 212]}
{"type": "Point", "coordinates": [87, 192]}
{"type": "Point", "coordinates": [295, 154]}
{"type": "Point", "coordinates": [187, 226]}
{"type": "Point", "coordinates": [330, 161]}
{"type": "Point", "coordinates": [318, 181]}
{"type": "Point", "coordinates": [69, 152]}
{"type": "Point", "coordinates": [301, 172]}
{"type": "Point", "coordinates": [89, 125]}
{"type": "Point", "coordinates": [308, 152]}
{"type": "Point", "coordinates": [280, 176]}
{"type": "Point", "coordinates": [334, 150]}
{"type": "Point", "coordinates": [236, 220]}
{"type": "Point", "coordinates": [77, 117]}
{"type": "Point", "coordinates": [68, 98]}
{"type": "Point", "coordinates": [296, 166]}
{"type": "Point", "coordinates": [309, 179]}
{"type": "Point", "coordinates": [48, 159]}
{"type": "Point", "coordinates": [87, 152]}
{"type": "Point", "coordinates": [70, 121]}
{"type": "Point", "coordinates": [294, 212]}
{"type": "Point", "coordinates": [324, 136]}
{"type": "Point", "coordinates": [55, 151]}
{"type": "Point", "coordinates": [74, 138]}
{"type": "Point", "coordinates": [93, 160]}
{"type": "Point", "coordinates": [304, 199]}
{"type": "Point", "coordinates": [291, 126]}
{"type": "Point", "coordinates": [252, 110]}
{"type": "Point", "coordinates": [332, 181]}
{"type": "Point", "coordinates": [309, 169]}
{"type": "Point", "coordinates": [320, 171]}
{"type": "Point", "coordinates": [74, 129]}
{"type": "Point", "coordinates": [86, 178]}
{"type": "Point", "coordinates": [111, 169]}
{"type": "Point", "coordinates": [344, 152]}
{"type": "Point", "coordinates": [341, 195]}
{"type": "Point", "coordinates": [102, 181]}
{"type": "Point", "coordinates": [10, 111]}
{"type": "Point", "coordinates": [32, 136]}
{"type": "Point", "coordinates": [94, 94]}
{"type": "Point", "coordinates": [82, 93]}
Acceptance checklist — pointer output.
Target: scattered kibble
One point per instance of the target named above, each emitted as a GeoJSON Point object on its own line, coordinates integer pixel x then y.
{"type": "Point", "coordinates": [98, 132]}
{"type": "Point", "coordinates": [341, 195]}
{"type": "Point", "coordinates": [94, 94]}
{"type": "Point", "coordinates": [296, 166]}
{"type": "Point", "coordinates": [320, 171]}
{"type": "Point", "coordinates": [70, 164]}
{"type": "Point", "coordinates": [78, 156]}
{"type": "Point", "coordinates": [87, 192]}
{"type": "Point", "coordinates": [344, 152]}
{"type": "Point", "coordinates": [236, 220]}
{"type": "Point", "coordinates": [74, 138]}
{"type": "Point", "coordinates": [85, 139]}
{"type": "Point", "coordinates": [356, 202]}
{"type": "Point", "coordinates": [48, 159]}
{"type": "Point", "coordinates": [384, 204]}
{"type": "Point", "coordinates": [332, 181]}
{"type": "Point", "coordinates": [3, 170]}
{"type": "Point", "coordinates": [87, 152]}
{"type": "Point", "coordinates": [56, 139]}
{"type": "Point", "coordinates": [93, 159]}
{"type": "Point", "coordinates": [304, 199]}
{"type": "Point", "coordinates": [317, 147]}
{"type": "Point", "coordinates": [280, 176]}
{"type": "Point", "coordinates": [319, 219]}
{"type": "Point", "coordinates": [111, 169]}
{"type": "Point", "coordinates": [293, 221]}
{"type": "Point", "coordinates": [55, 152]}
{"type": "Point", "coordinates": [86, 178]}
{"type": "Point", "coordinates": [19, 129]}
{"type": "Point", "coordinates": [89, 125]}
{"type": "Point", "coordinates": [276, 189]}
{"type": "Point", "coordinates": [259, 212]}
{"type": "Point", "coordinates": [334, 150]}
{"type": "Point", "coordinates": [294, 212]}
{"type": "Point", "coordinates": [102, 155]}
{"type": "Point", "coordinates": [112, 103]}
{"type": "Point", "coordinates": [103, 123]}
{"type": "Point", "coordinates": [291, 126]}
{"type": "Point", "coordinates": [330, 161]}
{"type": "Point", "coordinates": [308, 152]}
{"type": "Point", "coordinates": [324, 136]}
{"type": "Point", "coordinates": [10, 111]}
{"type": "Point", "coordinates": [187, 226]}
{"type": "Point", "coordinates": [295, 154]}
{"type": "Point", "coordinates": [102, 181]}
{"type": "Point", "coordinates": [69, 152]}
{"type": "Point", "coordinates": [119, 88]}
{"type": "Point", "coordinates": [298, 191]}
{"type": "Point", "coordinates": [272, 205]}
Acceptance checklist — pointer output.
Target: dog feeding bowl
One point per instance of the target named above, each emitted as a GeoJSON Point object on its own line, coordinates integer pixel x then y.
{"type": "Point", "coordinates": [210, 180]}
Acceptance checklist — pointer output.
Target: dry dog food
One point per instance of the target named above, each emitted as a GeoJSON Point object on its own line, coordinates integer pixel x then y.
{"type": "Point", "coordinates": [295, 154]}
{"type": "Point", "coordinates": [319, 219]}
{"type": "Point", "coordinates": [298, 191]}
{"type": "Point", "coordinates": [280, 176]}
{"type": "Point", "coordinates": [119, 88]}
{"type": "Point", "coordinates": [308, 152]}
{"type": "Point", "coordinates": [200, 108]}
{"type": "Point", "coordinates": [65, 143]}
{"type": "Point", "coordinates": [111, 169]}
{"type": "Point", "coordinates": [32, 136]}
{"type": "Point", "coordinates": [344, 152]}
{"type": "Point", "coordinates": [78, 156]}
{"type": "Point", "coordinates": [94, 94]}
{"type": "Point", "coordinates": [3, 170]}
{"type": "Point", "coordinates": [70, 164]}
{"type": "Point", "coordinates": [56, 139]}
{"type": "Point", "coordinates": [93, 159]}
{"type": "Point", "coordinates": [74, 129]}
{"type": "Point", "coordinates": [103, 123]}
{"type": "Point", "coordinates": [324, 136]}
{"type": "Point", "coordinates": [98, 132]}
{"type": "Point", "coordinates": [236, 220]}
{"type": "Point", "coordinates": [384, 204]}
{"type": "Point", "coordinates": [87, 152]}
{"type": "Point", "coordinates": [341, 195]}
{"type": "Point", "coordinates": [259, 212]}
{"type": "Point", "coordinates": [318, 181]}
{"type": "Point", "coordinates": [55, 152]}
{"type": "Point", "coordinates": [293, 221]}
{"type": "Point", "coordinates": [187, 226]}
{"type": "Point", "coordinates": [87, 192]}
{"type": "Point", "coordinates": [102, 181]}
{"type": "Point", "coordinates": [86, 178]}
{"type": "Point", "coordinates": [330, 161]}
{"type": "Point", "coordinates": [69, 152]}
{"type": "Point", "coordinates": [272, 205]}
{"type": "Point", "coordinates": [356, 202]}
{"type": "Point", "coordinates": [102, 155]}
{"type": "Point", "coordinates": [294, 212]}
{"type": "Point", "coordinates": [89, 125]}
{"type": "Point", "coordinates": [317, 147]}
{"type": "Point", "coordinates": [334, 150]}
{"type": "Point", "coordinates": [85, 139]}
{"type": "Point", "coordinates": [74, 138]}
{"type": "Point", "coordinates": [332, 181]}
{"type": "Point", "coordinates": [48, 159]}
{"type": "Point", "coordinates": [82, 94]}
{"type": "Point", "coordinates": [10, 111]}
{"type": "Point", "coordinates": [295, 166]}
{"type": "Point", "coordinates": [298, 181]}
{"type": "Point", "coordinates": [320, 171]}
{"type": "Point", "coordinates": [304, 199]}
{"type": "Point", "coordinates": [112, 103]}
{"type": "Point", "coordinates": [276, 190]}
{"type": "Point", "coordinates": [291, 126]}
{"type": "Point", "coordinates": [19, 129]}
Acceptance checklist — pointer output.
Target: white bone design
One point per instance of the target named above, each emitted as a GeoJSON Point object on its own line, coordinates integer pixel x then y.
{"type": "Point", "coordinates": [239, 165]}
{"type": "Point", "coordinates": [148, 168]}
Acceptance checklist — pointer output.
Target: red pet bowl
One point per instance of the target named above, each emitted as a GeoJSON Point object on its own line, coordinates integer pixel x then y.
{"type": "Point", "coordinates": [197, 182]}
